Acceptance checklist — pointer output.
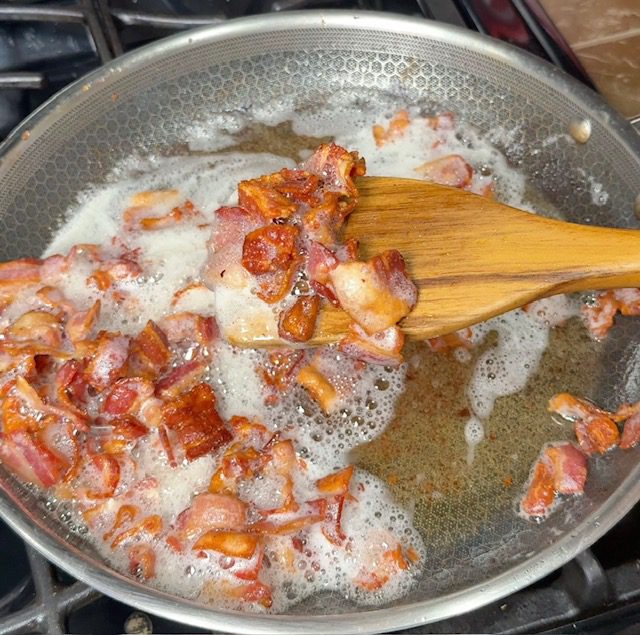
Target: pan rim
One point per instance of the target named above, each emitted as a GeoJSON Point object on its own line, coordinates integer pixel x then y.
{"type": "Point", "coordinates": [84, 568]}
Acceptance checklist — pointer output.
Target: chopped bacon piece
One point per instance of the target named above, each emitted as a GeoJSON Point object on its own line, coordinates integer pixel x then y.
{"type": "Point", "coordinates": [108, 361]}
{"type": "Point", "coordinates": [260, 197]}
{"type": "Point", "coordinates": [60, 436]}
{"type": "Point", "coordinates": [180, 379]}
{"type": "Point", "coordinates": [178, 214]}
{"type": "Point", "coordinates": [142, 561]}
{"type": "Point", "coordinates": [148, 527]}
{"type": "Point", "coordinates": [332, 524]}
{"type": "Point", "coordinates": [238, 462]}
{"type": "Point", "coordinates": [377, 293]}
{"type": "Point", "coordinates": [152, 198]}
{"type": "Point", "coordinates": [231, 543]}
{"type": "Point", "coordinates": [53, 269]}
{"type": "Point", "coordinates": [187, 327]}
{"type": "Point", "coordinates": [193, 288]}
{"type": "Point", "coordinates": [628, 301]}
{"type": "Point", "coordinates": [272, 287]}
{"type": "Point", "coordinates": [254, 592]}
{"type": "Point", "coordinates": [71, 387]}
{"type": "Point", "coordinates": [150, 412]}
{"type": "Point", "coordinates": [451, 170]}
{"type": "Point", "coordinates": [298, 322]}
{"type": "Point", "coordinates": [250, 570]}
{"type": "Point", "coordinates": [595, 428]}
{"type": "Point", "coordinates": [124, 515]}
{"type": "Point", "coordinates": [348, 251]}
{"type": "Point", "coordinates": [279, 370]}
{"type": "Point", "coordinates": [196, 421]}
{"type": "Point", "coordinates": [442, 121]}
{"type": "Point", "coordinates": [269, 248]}
{"type": "Point", "coordinates": [398, 125]}
{"type": "Point", "coordinates": [30, 459]}
{"type": "Point", "coordinates": [336, 484]}
{"type": "Point", "coordinates": [211, 512]}
{"type": "Point", "coordinates": [108, 475]}
{"type": "Point", "coordinates": [22, 409]}
{"type": "Point", "coordinates": [384, 566]}
{"type": "Point", "coordinates": [53, 298]}
{"type": "Point", "coordinates": [337, 167]}
{"type": "Point", "coordinates": [20, 272]}
{"type": "Point", "coordinates": [311, 512]}
{"type": "Point", "coordinates": [320, 261]}
{"type": "Point", "coordinates": [597, 434]}
{"type": "Point", "coordinates": [631, 432]}
{"type": "Point", "coordinates": [149, 351]}
{"type": "Point", "coordinates": [569, 467]}
{"type": "Point", "coordinates": [125, 431]}
{"type": "Point", "coordinates": [247, 430]}
{"type": "Point", "coordinates": [451, 341]}
{"type": "Point", "coordinates": [89, 252]}
{"type": "Point", "coordinates": [297, 185]}
{"type": "Point", "coordinates": [126, 396]}
{"type": "Point", "coordinates": [319, 387]}
{"type": "Point", "coordinates": [40, 326]}
{"type": "Point", "coordinates": [561, 469]}
{"type": "Point", "coordinates": [599, 316]}
{"type": "Point", "coordinates": [114, 270]}
{"type": "Point", "coordinates": [17, 350]}
{"type": "Point", "coordinates": [80, 323]}
{"type": "Point", "coordinates": [573, 408]}
{"type": "Point", "coordinates": [283, 456]}
{"type": "Point", "coordinates": [322, 222]}
{"type": "Point", "coordinates": [625, 411]}
{"type": "Point", "coordinates": [100, 279]}
{"type": "Point", "coordinates": [541, 492]}
{"type": "Point", "coordinates": [275, 195]}
{"type": "Point", "coordinates": [225, 263]}
{"type": "Point", "coordinates": [383, 347]}
{"type": "Point", "coordinates": [166, 446]}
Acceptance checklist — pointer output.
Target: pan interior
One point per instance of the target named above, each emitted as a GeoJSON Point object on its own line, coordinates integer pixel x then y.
{"type": "Point", "coordinates": [147, 105]}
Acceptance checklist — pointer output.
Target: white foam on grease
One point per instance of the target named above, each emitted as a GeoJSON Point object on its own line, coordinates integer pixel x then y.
{"type": "Point", "coordinates": [473, 435]}
{"type": "Point", "coordinates": [237, 384]}
{"type": "Point", "coordinates": [555, 310]}
{"type": "Point", "coordinates": [505, 368]}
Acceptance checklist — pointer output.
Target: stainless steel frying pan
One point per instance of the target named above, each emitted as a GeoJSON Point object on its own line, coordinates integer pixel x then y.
{"type": "Point", "coordinates": [479, 550]}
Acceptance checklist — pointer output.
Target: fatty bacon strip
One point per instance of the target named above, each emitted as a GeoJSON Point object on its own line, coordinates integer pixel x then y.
{"type": "Point", "coordinates": [283, 238]}
{"type": "Point", "coordinates": [562, 468]}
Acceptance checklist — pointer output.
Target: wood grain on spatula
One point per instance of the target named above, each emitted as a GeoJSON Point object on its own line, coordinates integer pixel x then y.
{"type": "Point", "coordinates": [473, 258]}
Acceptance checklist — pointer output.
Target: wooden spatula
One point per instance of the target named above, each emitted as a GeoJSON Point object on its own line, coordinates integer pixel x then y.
{"type": "Point", "coordinates": [473, 258]}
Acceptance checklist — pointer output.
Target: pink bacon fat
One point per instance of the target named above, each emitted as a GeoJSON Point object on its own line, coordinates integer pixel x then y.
{"type": "Point", "coordinates": [561, 469]}
{"type": "Point", "coordinates": [376, 294]}
{"type": "Point", "coordinates": [595, 429]}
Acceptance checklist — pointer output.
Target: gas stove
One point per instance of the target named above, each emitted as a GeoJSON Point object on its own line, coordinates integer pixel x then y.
{"type": "Point", "coordinates": [46, 45]}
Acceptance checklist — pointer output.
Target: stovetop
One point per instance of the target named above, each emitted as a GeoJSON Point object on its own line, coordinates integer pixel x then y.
{"type": "Point", "coordinates": [46, 45]}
